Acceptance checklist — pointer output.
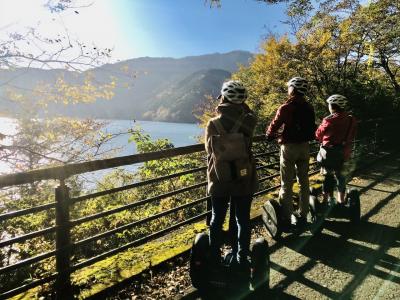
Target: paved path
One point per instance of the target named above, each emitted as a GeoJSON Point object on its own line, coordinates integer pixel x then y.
{"type": "Point", "coordinates": [347, 261]}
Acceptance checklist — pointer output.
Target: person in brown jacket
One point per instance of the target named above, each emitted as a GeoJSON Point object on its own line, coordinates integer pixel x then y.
{"type": "Point", "coordinates": [238, 192]}
{"type": "Point", "coordinates": [297, 119]}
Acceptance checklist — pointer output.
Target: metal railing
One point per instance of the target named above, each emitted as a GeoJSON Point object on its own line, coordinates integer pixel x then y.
{"type": "Point", "coordinates": [267, 157]}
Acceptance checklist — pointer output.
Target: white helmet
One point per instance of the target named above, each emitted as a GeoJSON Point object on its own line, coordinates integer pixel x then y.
{"type": "Point", "coordinates": [300, 84]}
{"type": "Point", "coordinates": [234, 91]}
{"type": "Point", "coordinates": [339, 100]}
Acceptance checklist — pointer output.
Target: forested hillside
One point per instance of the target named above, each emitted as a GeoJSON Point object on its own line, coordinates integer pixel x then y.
{"type": "Point", "coordinates": [345, 48]}
{"type": "Point", "coordinates": [164, 89]}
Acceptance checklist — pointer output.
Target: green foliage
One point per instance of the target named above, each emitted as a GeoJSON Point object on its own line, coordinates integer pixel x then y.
{"type": "Point", "coordinates": [128, 263]}
{"type": "Point", "coordinates": [151, 194]}
{"type": "Point", "coordinates": [164, 167]}
{"type": "Point", "coordinates": [131, 262]}
{"type": "Point", "coordinates": [353, 53]}
{"type": "Point", "coordinates": [21, 198]}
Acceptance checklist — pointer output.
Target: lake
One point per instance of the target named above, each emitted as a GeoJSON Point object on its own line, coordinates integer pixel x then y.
{"type": "Point", "coordinates": [180, 134]}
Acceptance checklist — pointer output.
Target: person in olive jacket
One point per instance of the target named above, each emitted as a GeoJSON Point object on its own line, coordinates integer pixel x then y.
{"type": "Point", "coordinates": [239, 193]}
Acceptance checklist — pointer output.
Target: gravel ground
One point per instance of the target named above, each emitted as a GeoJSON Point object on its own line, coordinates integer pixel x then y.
{"type": "Point", "coordinates": [345, 261]}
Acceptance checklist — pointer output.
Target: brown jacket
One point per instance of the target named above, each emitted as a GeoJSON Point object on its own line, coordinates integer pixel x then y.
{"type": "Point", "coordinates": [228, 113]}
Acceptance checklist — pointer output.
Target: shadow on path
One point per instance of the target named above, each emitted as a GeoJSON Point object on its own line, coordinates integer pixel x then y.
{"type": "Point", "coordinates": [359, 250]}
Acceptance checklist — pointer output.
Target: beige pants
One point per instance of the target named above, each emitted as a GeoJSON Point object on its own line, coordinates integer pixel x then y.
{"type": "Point", "coordinates": [294, 161]}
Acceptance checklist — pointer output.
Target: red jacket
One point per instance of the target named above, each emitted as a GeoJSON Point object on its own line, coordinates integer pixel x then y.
{"type": "Point", "coordinates": [297, 118]}
{"type": "Point", "coordinates": [333, 130]}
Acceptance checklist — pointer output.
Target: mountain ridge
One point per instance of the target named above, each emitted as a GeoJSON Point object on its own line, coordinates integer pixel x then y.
{"type": "Point", "coordinates": [144, 86]}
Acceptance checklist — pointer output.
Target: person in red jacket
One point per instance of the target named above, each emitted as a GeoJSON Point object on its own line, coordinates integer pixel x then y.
{"type": "Point", "coordinates": [339, 128]}
{"type": "Point", "coordinates": [297, 119]}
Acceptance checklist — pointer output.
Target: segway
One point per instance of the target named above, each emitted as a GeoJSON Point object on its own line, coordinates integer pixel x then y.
{"type": "Point", "coordinates": [260, 268]}
{"type": "Point", "coordinates": [354, 205]}
{"type": "Point", "coordinates": [225, 278]}
{"type": "Point", "coordinates": [351, 209]}
{"type": "Point", "coordinates": [199, 258]}
{"type": "Point", "coordinates": [316, 214]}
{"type": "Point", "coordinates": [272, 218]}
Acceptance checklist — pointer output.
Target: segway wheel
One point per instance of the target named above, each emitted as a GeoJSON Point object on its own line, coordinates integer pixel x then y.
{"type": "Point", "coordinates": [314, 216]}
{"type": "Point", "coordinates": [353, 200]}
{"type": "Point", "coordinates": [260, 267]}
{"type": "Point", "coordinates": [271, 218]}
{"type": "Point", "coordinates": [199, 255]}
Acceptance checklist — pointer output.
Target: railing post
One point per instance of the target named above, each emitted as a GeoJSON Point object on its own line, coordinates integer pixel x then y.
{"type": "Point", "coordinates": [63, 243]}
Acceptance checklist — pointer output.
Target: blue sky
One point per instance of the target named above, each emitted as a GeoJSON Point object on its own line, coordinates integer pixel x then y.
{"type": "Point", "coordinates": [190, 27]}
{"type": "Point", "coordinates": [157, 28]}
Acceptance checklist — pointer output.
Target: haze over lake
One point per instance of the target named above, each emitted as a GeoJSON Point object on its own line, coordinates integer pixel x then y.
{"type": "Point", "coordinates": [180, 134]}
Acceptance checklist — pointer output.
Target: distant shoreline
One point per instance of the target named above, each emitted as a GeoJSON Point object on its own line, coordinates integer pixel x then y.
{"type": "Point", "coordinates": [110, 119]}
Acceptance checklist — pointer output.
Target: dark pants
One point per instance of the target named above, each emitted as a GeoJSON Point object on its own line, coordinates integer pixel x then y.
{"type": "Point", "coordinates": [241, 206]}
{"type": "Point", "coordinates": [334, 178]}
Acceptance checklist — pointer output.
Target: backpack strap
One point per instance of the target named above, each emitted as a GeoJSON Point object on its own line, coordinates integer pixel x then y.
{"type": "Point", "coordinates": [218, 125]}
{"type": "Point", "coordinates": [238, 123]}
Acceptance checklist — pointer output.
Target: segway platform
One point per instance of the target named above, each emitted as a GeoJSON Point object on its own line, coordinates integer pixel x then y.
{"type": "Point", "coordinates": [271, 216]}
{"type": "Point", "coordinates": [226, 279]}
{"type": "Point", "coordinates": [351, 209]}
